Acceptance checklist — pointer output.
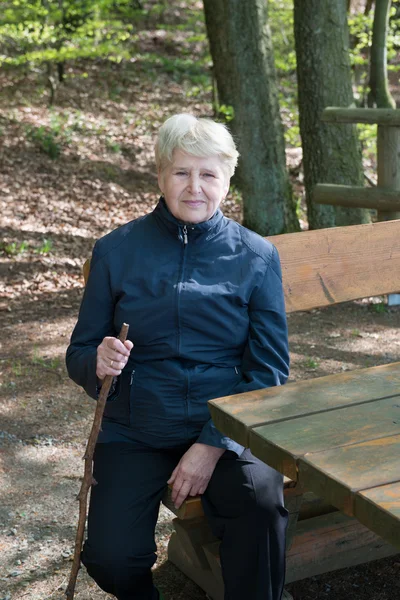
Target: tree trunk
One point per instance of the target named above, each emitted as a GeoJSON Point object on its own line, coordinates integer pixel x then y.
{"type": "Point", "coordinates": [240, 43]}
{"type": "Point", "coordinates": [331, 153]}
{"type": "Point", "coordinates": [379, 94]}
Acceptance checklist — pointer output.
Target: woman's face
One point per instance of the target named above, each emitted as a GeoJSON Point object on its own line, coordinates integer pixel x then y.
{"type": "Point", "coordinates": [193, 186]}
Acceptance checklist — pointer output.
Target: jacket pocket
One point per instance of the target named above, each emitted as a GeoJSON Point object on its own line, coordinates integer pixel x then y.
{"type": "Point", "coordinates": [117, 405]}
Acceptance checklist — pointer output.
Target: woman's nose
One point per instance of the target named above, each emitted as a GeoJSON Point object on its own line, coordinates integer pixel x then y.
{"type": "Point", "coordinates": [194, 184]}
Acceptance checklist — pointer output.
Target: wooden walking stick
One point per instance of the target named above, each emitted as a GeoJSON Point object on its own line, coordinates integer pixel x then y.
{"type": "Point", "coordinates": [88, 480]}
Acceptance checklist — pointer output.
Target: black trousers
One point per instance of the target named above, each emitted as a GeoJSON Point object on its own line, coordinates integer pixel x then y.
{"type": "Point", "coordinates": [243, 503]}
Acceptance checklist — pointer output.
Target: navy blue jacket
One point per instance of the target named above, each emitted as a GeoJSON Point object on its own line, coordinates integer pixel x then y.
{"type": "Point", "coordinates": [206, 314]}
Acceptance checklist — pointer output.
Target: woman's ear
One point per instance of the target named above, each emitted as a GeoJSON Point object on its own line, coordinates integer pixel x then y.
{"type": "Point", "coordinates": [226, 187]}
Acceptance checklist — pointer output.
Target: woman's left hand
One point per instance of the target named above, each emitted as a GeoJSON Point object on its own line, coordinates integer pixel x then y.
{"type": "Point", "coordinates": [193, 472]}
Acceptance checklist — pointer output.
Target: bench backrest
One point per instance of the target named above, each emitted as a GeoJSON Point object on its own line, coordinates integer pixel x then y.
{"type": "Point", "coordinates": [328, 266]}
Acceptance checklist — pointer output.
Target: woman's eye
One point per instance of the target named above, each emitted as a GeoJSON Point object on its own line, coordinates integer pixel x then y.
{"type": "Point", "coordinates": [208, 175]}
{"type": "Point", "coordinates": [181, 173]}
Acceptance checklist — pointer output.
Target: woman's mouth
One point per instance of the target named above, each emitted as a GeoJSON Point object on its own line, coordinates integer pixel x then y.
{"type": "Point", "coordinates": [193, 203]}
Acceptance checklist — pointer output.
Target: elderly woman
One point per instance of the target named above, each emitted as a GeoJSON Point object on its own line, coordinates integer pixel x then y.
{"type": "Point", "coordinates": [203, 298]}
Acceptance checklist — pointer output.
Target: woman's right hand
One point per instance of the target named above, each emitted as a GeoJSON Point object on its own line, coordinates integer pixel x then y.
{"type": "Point", "coordinates": [112, 356]}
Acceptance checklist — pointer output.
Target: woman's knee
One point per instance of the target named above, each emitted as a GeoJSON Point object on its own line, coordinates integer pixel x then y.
{"type": "Point", "coordinates": [113, 569]}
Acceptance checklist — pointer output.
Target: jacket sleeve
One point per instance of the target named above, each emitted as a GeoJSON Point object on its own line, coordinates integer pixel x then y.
{"type": "Point", "coordinates": [265, 361]}
{"type": "Point", "coordinates": [95, 321]}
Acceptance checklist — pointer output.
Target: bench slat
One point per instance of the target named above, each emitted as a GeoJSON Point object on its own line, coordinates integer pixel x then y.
{"type": "Point", "coordinates": [334, 265]}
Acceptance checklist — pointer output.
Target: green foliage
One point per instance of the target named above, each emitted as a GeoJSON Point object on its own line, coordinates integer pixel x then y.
{"type": "Point", "coordinates": [45, 247]}
{"type": "Point", "coordinates": [13, 248]}
{"type": "Point", "coordinates": [310, 363]}
{"type": "Point", "coordinates": [281, 22]}
{"type": "Point", "coordinates": [112, 146]}
{"type": "Point", "coordinates": [226, 113]}
{"type": "Point", "coordinates": [379, 307]}
{"type": "Point", "coordinates": [49, 363]}
{"type": "Point", "coordinates": [45, 140]}
{"type": "Point", "coordinates": [51, 139]}
{"type": "Point", "coordinates": [368, 136]}
{"type": "Point", "coordinates": [35, 31]}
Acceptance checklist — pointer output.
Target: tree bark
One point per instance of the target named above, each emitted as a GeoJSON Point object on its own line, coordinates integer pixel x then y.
{"type": "Point", "coordinates": [379, 94]}
{"type": "Point", "coordinates": [241, 49]}
{"type": "Point", "coordinates": [331, 153]}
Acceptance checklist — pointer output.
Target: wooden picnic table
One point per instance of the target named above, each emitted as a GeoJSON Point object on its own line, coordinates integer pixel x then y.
{"type": "Point", "coordinates": [337, 436]}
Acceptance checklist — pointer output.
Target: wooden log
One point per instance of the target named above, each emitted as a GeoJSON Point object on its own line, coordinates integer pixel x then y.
{"type": "Point", "coordinates": [388, 146]}
{"type": "Point", "coordinates": [378, 198]}
{"type": "Point", "coordinates": [378, 116]}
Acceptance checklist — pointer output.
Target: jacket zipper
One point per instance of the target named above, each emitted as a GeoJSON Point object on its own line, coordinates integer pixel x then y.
{"type": "Point", "coordinates": [132, 377]}
{"type": "Point", "coordinates": [184, 238]}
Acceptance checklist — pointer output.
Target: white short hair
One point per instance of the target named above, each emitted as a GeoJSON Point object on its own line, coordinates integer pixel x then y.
{"type": "Point", "coordinates": [195, 136]}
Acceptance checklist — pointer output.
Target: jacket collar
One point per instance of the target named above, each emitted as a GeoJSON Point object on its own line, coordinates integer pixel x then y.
{"type": "Point", "coordinates": [207, 228]}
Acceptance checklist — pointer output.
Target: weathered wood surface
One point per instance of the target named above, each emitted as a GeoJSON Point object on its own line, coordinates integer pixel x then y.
{"type": "Point", "coordinates": [378, 198]}
{"type": "Point", "coordinates": [190, 509]}
{"type": "Point", "coordinates": [330, 542]}
{"type": "Point", "coordinates": [379, 509]}
{"type": "Point", "coordinates": [339, 473]}
{"type": "Point", "coordinates": [334, 265]}
{"type": "Point", "coordinates": [282, 444]}
{"type": "Point", "coordinates": [378, 116]}
{"type": "Point", "coordinates": [323, 544]}
{"type": "Point", "coordinates": [236, 415]}
{"type": "Point", "coordinates": [209, 581]}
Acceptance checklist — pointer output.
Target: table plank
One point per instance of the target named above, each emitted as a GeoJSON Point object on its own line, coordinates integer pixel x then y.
{"type": "Point", "coordinates": [282, 444]}
{"type": "Point", "coordinates": [235, 415]}
{"type": "Point", "coordinates": [339, 473]}
{"type": "Point", "coordinates": [379, 509]}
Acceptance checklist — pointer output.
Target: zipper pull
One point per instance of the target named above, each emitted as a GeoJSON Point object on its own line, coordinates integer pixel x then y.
{"type": "Point", "coordinates": [132, 376]}
{"type": "Point", "coordinates": [185, 235]}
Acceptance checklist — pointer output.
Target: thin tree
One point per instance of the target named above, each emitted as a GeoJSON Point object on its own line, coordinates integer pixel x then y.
{"type": "Point", "coordinates": [331, 153]}
{"type": "Point", "coordinates": [241, 49]}
{"type": "Point", "coordinates": [379, 94]}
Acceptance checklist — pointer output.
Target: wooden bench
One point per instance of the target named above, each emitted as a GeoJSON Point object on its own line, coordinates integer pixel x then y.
{"type": "Point", "coordinates": [319, 268]}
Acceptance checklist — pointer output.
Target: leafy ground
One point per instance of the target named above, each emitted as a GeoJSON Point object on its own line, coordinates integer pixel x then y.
{"type": "Point", "coordinates": [69, 175]}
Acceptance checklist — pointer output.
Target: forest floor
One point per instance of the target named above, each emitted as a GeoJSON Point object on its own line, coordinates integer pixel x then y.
{"type": "Point", "coordinates": [101, 133]}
